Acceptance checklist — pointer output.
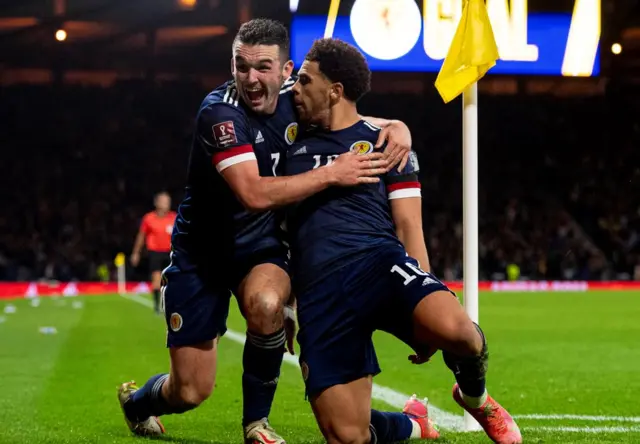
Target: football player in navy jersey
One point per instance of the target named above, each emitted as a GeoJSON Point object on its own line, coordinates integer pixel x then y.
{"type": "Point", "coordinates": [225, 239]}
{"type": "Point", "coordinates": [355, 256]}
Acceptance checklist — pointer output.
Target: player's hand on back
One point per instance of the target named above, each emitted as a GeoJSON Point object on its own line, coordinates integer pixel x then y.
{"type": "Point", "coordinates": [353, 169]}
{"type": "Point", "coordinates": [398, 138]}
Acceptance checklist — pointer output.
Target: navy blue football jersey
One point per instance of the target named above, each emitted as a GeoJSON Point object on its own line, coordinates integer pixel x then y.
{"type": "Point", "coordinates": [212, 225]}
{"type": "Point", "coordinates": [338, 226]}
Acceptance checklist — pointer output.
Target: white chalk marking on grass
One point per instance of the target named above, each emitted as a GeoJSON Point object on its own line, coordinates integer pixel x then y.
{"type": "Point", "coordinates": [139, 299]}
{"type": "Point", "coordinates": [596, 418]}
{"type": "Point", "coordinates": [444, 419]}
{"type": "Point", "coordinates": [613, 429]}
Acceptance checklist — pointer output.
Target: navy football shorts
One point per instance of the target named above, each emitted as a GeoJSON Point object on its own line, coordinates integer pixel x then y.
{"type": "Point", "coordinates": [196, 302]}
{"type": "Point", "coordinates": [337, 316]}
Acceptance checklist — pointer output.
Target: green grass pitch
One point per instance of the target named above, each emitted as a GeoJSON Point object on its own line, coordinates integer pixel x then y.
{"type": "Point", "coordinates": [566, 364]}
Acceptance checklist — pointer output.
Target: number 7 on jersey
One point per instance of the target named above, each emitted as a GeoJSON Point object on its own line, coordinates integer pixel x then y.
{"type": "Point", "coordinates": [276, 160]}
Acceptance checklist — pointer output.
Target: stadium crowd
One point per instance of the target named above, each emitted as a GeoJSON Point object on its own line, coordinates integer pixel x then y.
{"type": "Point", "coordinates": [559, 179]}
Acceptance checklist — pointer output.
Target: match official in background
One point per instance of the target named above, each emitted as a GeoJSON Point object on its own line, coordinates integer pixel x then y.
{"type": "Point", "coordinates": [155, 233]}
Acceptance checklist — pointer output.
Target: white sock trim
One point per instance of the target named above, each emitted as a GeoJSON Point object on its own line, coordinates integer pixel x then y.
{"type": "Point", "coordinates": [474, 401]}
{"type": "Point", "coordinates": [416, 432]}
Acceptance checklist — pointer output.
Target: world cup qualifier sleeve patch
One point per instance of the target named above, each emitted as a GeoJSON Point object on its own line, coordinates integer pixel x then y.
{"type": "Point", "coordinates": [224, 133]}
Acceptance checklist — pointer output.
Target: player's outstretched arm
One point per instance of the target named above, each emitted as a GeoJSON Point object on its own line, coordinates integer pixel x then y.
{"type": "Point", "coordinates": [225, 133]}
{"type": "Point", "coordinates": [398, 138]}
{"type": "Point", "coordinates": [265, 193]}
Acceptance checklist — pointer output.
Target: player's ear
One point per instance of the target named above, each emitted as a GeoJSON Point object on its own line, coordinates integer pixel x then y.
{"type": "Point", "coordinates": [232, 63]}
{"type": "Point", "coordinates": [337, 90]}
{"type": "Point", "coordinates": [287, 69]}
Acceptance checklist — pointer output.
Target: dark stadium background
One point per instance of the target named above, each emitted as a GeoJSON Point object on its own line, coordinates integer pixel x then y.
{"type": "Point", "coordinates": [94, 125]}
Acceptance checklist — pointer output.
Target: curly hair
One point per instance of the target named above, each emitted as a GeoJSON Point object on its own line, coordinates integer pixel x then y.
{"type": "Point", "coordinates": [342, 63]}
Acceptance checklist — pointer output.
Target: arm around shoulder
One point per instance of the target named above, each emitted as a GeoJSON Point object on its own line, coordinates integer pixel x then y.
{"type": "Point", "coordinates": [225, 131]}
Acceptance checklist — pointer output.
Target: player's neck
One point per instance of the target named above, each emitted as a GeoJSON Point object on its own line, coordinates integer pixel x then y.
{"type": "Point", "coordinates": [343, 115]}
{"type": "Point", "coordinates": [161, 213]}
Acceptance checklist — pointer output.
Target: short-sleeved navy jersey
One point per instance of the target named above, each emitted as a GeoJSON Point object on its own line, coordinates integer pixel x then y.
{"type": "Point", "coordinates": [338, 226]}
{"type": "Point", "coordinates": [212, 226]}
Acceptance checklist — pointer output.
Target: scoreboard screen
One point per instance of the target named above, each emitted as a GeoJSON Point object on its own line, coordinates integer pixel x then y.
{"type": "Point", "coordinates": [534, 38]}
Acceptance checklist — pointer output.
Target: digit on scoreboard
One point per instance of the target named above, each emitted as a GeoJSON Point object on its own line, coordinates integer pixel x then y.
{"type": "Point", "coordinates": [389, 31]}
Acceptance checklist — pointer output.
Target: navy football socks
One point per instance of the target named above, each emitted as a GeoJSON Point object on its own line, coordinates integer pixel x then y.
{"type": "Point", "coordinates": [148, 400]}
{"type": "Point", "coordinates": [472, 387]}
{"type": "Point", "coordinates": [261, 361]}
{"type": "Point", "coordinates": [389, 427]}
{"type": "Point", "coordinates": [470, 371]}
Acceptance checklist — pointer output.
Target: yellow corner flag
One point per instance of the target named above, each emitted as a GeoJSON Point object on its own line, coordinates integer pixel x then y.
{"type": "Point", "coordinates": [119, 260]}
{"type": "Point", "coordinates": [473, 52]}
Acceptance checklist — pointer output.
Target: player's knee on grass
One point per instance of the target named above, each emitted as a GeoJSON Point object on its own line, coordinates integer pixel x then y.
{"type": "Point", "coordinates": [342, 427]}
{"type": "Point", "coordinates": [343, 412]}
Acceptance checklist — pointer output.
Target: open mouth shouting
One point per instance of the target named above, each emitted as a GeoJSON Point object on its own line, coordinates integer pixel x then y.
{"type": "Point", "coordinates": [256, 95]}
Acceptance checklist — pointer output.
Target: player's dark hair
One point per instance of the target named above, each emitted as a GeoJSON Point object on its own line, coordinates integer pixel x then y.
{"type": "Point", "coordinates": [263, 31]}
{"type": "Point", "coordinates": [342, 63]}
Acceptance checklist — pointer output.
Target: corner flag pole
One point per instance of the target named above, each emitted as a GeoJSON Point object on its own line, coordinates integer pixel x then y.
{"type": "Point", "coordinates": [470, 249]}
{"type": "Point", "coordinates": [472, 53]}
{"type": "Point", "coordinates": [470, 199]}
{"type": "Point", "coordinates": [120, 263]}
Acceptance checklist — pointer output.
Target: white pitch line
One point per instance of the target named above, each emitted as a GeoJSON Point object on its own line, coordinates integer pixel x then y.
{"type": "Point", "coordinates": [595, 418]}
{"type": "Point", "coordinates": [444, 419]}
{"type": "Point", "coordinates": [612, 429]}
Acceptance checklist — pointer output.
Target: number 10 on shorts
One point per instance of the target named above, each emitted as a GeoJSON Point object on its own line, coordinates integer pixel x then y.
{"type": "Point", "coordinates": [410, 275]}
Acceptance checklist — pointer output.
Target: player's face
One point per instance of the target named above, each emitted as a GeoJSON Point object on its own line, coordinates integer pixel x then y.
{"type": "Point", "coordinates": [312, 94]}
{"type": "Point", "coordinates": [163, 202]}
{"type": "Point", "coordinates": [259, 74]}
